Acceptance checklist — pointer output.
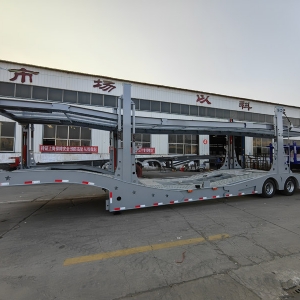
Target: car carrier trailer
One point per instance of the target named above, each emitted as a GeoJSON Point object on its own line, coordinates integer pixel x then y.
{"type": "Point", "coordinates": [125, 189]}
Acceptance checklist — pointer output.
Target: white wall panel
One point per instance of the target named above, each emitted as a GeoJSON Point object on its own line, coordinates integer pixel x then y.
{"type": "Point", "coordinates": [38, 137]}
{"type": "Point", "coordinates": [18, 139]}
{"type": "Point", "coordinates": [160, 143]}
{"type": "Point", "coordinates": [203, 145]}
{"type": "Point", "coordinates": [248, 145]}
{"type": "Point", "coordinates": [100, 138]}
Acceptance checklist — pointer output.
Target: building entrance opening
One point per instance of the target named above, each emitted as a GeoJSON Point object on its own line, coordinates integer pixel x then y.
{"type": "Point", "coordinates": [217, 148]}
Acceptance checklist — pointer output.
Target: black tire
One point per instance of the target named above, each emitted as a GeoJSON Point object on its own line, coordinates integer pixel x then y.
{"type": "Point", "coordinates": [289, 187]}
{"type": "Point", "coordinates": [268, 189]}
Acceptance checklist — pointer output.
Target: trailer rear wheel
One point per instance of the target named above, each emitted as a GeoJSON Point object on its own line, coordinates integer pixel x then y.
{"type": "Point", "coordinates": [289, 187]}
{"type": "Point", "coordinates": [268, 189]}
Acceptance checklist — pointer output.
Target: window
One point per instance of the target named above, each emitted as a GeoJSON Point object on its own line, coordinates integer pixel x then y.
{"type": "Point", "coordinates": [233, 114]}
{"type": "Point", "coordinates": [144, 104]}
{"type": "Point", "coordinates": [62, 135]}
{"type": "Point", "coordinates": [262, 118]}
{"type": "Point", "coordinates": [55, 95]}
{"type": "Point", "coordinates": [7, 89]}
{"type": "Point", "coordinates": [110, 101]}
{"type": "Point", "coordinates": [202, 111]}
{"type": "Point", "coordinates": [137, 103]}
{"type": "Point", "coordinates": [183, 144]}
{"type": "Point", "coordinates": [248, 116]}
{"type": "Point", "coordinates": [70, 96]}
{"type": "Point", "coordinates": [39, 93]}
{"type": "Point", "coordinates": [226, 114]}
{"type": "Point", "coordinates": [97, 99]}
{"type": "Point", "coordinates": [143, 140]}
{"type": "Point", "coordinates": [23, 91]}
{"type": "Point", "coordinates": [175, 108]}
{"type": "Point", "coordinates": [155, 106]}
{"type": "Point", "coordinates": [84, 98]}
{"type": "Point", "coordinates": [211, 112]}
{"type": "Point", "coordinates": [184, 109]}
{"type": "Point", "coordinates": [193, 110]}
{"type": "Point", "coordinates": [260, 146]}
{"type": "Point", "coordinates": [165, 107]}
{"type": "Point", "coordinates": [7, 136]}
{"type": "Point", "coordinates": [219, 113]}
{"type": "Point", "coordinates": [269, 119]}
{"type": "Point", "coordinates": [241, 115]}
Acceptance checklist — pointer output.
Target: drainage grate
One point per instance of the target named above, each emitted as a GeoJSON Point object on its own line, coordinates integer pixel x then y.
{"type": "Point", "coordinates": [293, 293]}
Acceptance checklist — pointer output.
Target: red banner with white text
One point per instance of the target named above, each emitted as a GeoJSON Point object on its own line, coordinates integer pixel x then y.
{"type": "Point", "coordinates": [69, 149]}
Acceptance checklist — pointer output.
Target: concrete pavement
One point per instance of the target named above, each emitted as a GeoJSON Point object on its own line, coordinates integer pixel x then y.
{"type": "Point", "coordinates": [51, 224]}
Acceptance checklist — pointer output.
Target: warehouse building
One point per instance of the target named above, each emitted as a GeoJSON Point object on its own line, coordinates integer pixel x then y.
{"type": "Point", "coordinates": [57, 143]}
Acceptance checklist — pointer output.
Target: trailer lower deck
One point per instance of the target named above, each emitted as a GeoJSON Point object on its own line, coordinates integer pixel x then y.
{"type": "Point", "coordinates": [215, 178]}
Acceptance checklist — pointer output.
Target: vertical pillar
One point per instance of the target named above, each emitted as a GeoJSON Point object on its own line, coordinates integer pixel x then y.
{"type": "Point", "coordinates": [126, 169]}
{"type": "Point", "coordinates": [243, 158]}
{"type": "Point", "coordinates": [279, 160]}
{"type": "Point", "coordinates": [30, 158]}
{"type": "Point", "coordinates": [25, 144]}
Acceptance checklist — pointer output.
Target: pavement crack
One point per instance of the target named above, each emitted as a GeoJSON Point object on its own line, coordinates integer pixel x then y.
{"type": "Point", "coordinates": [24, 219]}
{"type": "Point", "coordinates": [239, 280]}
{"type": "Point", "coordinates": [190, 225]}
{"type": "Point", "coordinates": [32, 213]}
{"type": "Point", "coordinates": [261, 218]}
{"type": "Point", "coordinates": [159, 266]}
{"type": "Point", "coordinates": [60, 192]}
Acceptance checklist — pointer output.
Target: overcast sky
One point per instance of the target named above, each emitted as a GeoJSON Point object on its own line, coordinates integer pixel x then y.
{"type": "Point", "coordinates": [243, 48]}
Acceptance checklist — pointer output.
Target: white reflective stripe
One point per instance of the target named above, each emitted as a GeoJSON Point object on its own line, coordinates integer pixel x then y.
{"type": "Point", "coordinates": [32, 182]}
{"type": "Point", "coordinates": [88, 182]}
{"type": "Point", "coordinates": [4, 183]}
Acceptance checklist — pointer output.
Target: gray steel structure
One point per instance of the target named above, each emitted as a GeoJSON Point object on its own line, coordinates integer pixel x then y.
{"type": "Point", "coordinates": [126, 190]}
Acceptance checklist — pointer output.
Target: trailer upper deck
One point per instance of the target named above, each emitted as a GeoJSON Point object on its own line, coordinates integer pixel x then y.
{"type": "Point", "coordinates": [26, 111]}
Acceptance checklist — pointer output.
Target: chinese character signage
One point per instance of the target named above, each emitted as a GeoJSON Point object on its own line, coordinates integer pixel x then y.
{"type": "Point", "coordinates": [202, 99]}
{"type": "Point", "coordinates": [104, 85]}
{"type": "Point", "coordinates": [23, 73]}
{"type": "Point", "coordinates": [69, 149]}
{"type": "Point", "coordinates": [244, 104]}
{"type": "Point", "coordinates": [145, 151]}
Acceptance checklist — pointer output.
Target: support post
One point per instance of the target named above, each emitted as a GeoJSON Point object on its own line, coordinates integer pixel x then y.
{"type": "Point", "coordinates": [126, 169]}
{"type": "Point", "coordinates": [31, 161]}
{"type": "Point", "coordinates": [25, 144]}
{"type": "Point", "coordinates": [280, 164]}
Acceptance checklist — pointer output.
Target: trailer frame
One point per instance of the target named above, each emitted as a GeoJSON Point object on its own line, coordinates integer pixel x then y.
{"type": "Point", "coordinates": [125, 189]}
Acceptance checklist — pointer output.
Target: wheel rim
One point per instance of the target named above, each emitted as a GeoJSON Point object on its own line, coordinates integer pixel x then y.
{"type": "Point", "coordinates": [290, 186]}
{"type": "Point", "coordinates": [269, 188]}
